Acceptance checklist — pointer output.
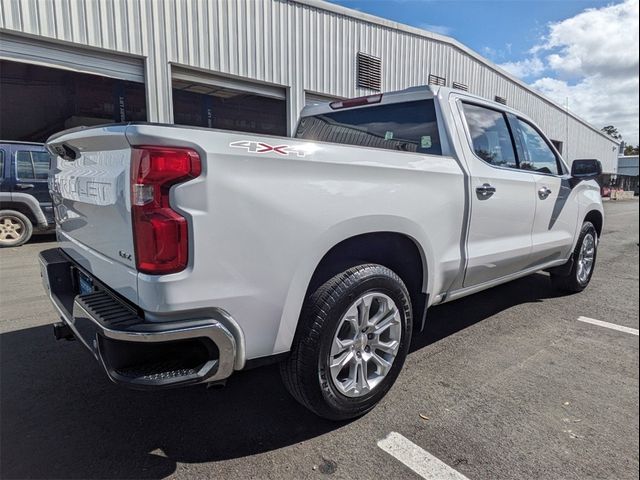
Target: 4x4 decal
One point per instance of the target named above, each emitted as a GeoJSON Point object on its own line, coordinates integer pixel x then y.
{"type": "Point", "coordinates": [261, 147]}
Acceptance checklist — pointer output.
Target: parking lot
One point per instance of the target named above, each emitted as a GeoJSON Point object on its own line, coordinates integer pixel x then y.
{"type": "Point", "coordinates": [503, 384]}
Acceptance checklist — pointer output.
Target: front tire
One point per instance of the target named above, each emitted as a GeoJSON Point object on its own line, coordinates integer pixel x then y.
{"type": "Point", "coordinates": [583, 262]}
{"type": "Point", "coordinates": [351, 343]}
{"type": "Point", "coordinates": [15, 228]}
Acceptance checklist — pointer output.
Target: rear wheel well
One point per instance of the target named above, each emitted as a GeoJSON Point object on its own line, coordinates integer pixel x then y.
{"type": "Point", "coordinates": [595, 217]}
{"type": "Point", "coordinates": [396, 251]}
{"type": "Point", "coordinates": [22, 208]}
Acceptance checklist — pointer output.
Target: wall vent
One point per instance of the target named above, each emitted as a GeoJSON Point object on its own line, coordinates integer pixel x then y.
{"type": "Point", "coordinates": [369, 72]}
{"type": "Point", "coordinates": [460, 86]}
{"type": "Point", "coordinates": [436, 80]}
{"type": "Point", "coordinates": [501, 100]}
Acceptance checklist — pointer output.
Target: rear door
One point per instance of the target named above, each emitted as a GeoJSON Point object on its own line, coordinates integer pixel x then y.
{"type": "Point", "coordinates": [5, 178]}
{"type": "Point", "coordinates": [556, 210]}
{"type": "Point", "coordinates": [502, 197]}
{"type": "Point", "coordinates": [32, 164]}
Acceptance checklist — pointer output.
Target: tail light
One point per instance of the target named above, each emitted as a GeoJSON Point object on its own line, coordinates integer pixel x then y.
{"type": "Point", "coordinates": [161, 235]}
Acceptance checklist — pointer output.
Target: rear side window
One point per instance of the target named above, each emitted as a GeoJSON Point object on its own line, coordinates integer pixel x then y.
{"type": "Point", "coordinates": [490, 135]}
{"type": "Point", "coordinates": [406, 126]}
{"type": "Point", "coordinates": [32, 165]}
{"type": "Point", "coordinates": [1, 164]}
{"type": "Point", "coordinates": [538, 156]}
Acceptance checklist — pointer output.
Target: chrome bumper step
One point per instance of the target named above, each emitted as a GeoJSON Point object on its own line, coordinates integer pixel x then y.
{"type": "Point", "coordinates": [135, 352]}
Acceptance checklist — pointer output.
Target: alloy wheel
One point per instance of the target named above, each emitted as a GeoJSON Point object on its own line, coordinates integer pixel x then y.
{"type": "Point", "coordinates": [365, 344]}
{"type": "Point", "coordinates": [586, 258]}
{"type": "Point", "coordinates": [11, 229]}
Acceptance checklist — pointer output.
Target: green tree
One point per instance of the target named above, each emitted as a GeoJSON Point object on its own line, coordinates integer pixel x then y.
{"type": "Point", "coordinates": [631, 150]}
{"type": "Point", "coordinates": [612, 131]}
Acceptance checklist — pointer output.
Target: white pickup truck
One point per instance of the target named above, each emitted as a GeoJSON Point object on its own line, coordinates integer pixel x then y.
{"type": "Point", "coordinates": [186, 254]}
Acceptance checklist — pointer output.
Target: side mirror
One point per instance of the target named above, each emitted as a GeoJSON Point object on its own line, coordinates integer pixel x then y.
{"type": "Point", "coordinates": [586, 169]}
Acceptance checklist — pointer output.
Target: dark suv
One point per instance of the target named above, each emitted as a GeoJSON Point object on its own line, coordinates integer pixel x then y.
{"type": "Point", "coordinates": [25, 203]}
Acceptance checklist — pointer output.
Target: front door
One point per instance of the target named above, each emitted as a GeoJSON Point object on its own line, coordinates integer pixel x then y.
{"type": "Point", "coordinates": [502, 198]}
{"type": "Point", "coordinates": [556, 210]}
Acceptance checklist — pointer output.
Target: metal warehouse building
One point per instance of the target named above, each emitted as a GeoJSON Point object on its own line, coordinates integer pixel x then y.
{"type": "Point", "coordinates": [246, 65]}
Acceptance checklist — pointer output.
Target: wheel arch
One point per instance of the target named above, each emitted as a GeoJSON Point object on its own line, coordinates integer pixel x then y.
{"type": "Point", "coordinates": [25, 204]}
{"type": "Point", "coordinates": [597, 219]}
{"type": "Point", "coordinates": [22, 208]}
{"type": "Point", "coordinates": [348, 244]}
{"type": "Point", "coordinates": [397, 251]}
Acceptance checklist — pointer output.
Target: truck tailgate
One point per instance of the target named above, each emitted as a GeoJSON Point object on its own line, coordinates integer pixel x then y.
{"type": "Point", "coordinates": [91, 197]}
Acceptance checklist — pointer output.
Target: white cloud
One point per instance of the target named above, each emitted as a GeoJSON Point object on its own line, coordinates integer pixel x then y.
{"type": "Point", "coordinates": [489, 52]}
{"type": "Point", "coordinates": [592, 59]}
{"type": "Point", "coordinates": [529, 67]}
{"type": "Point", "coordinates": [441, 29]}
{"type": "Point", "coordinates": [598, 100]}
{"type": "Point", "coordinates": [596, 41]}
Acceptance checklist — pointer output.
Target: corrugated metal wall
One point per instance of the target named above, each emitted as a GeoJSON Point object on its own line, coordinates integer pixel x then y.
{"type": "Point", "coordinates": [287, 43]}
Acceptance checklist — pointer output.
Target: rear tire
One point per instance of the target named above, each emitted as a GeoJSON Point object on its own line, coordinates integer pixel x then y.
{"type": "Point", "coordinates": [351, 343]}
{"type": "Point", "coordinates": [584, 262]}
{"type": "Point", "coordinates": [15, 228]}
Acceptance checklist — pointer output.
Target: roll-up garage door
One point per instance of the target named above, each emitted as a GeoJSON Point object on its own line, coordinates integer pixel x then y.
{"type": "Point", "coordinates": [217, 81]}
{"type": "Point", "coordinates": [70, 57]}
{"type": "Point", "coordinates": [208, 100]}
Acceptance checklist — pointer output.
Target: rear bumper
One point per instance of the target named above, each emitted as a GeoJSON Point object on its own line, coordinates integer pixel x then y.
{"type": "Point", "coordinates": [133, 352]}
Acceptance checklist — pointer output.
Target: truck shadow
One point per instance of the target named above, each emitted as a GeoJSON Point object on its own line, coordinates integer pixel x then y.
{"type": "Point", "coordinates": [61, 417]}
{"type": "Point", "coordinates": [449, 318]}
{"type": "Point", "coordinates": [43, 238]}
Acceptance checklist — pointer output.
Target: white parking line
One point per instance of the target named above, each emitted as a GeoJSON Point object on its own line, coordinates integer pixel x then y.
{"type": "Point", "coordinates": [418, 459]}
{"type": "Point", "coordinates": [612, 326]}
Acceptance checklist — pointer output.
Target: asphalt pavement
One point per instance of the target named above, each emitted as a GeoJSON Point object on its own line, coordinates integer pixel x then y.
{"type": "Point", "coordinates": [504, 384]}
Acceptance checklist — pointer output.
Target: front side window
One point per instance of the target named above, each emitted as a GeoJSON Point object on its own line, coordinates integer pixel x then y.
{"type": "Point", "coordinates": [32, 165]}
{"type": "Point", "coordinates": [538, 156]}
{"type": "Point", "coordinates": [490, 135]}
{"type": "Point", "coordinates": [405, 126]}
{"type": "Point", "coordinates": [1, 164]}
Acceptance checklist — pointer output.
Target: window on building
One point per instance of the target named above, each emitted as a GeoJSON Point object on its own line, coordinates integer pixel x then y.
{"type": "Point", "coordinates": [460, 86]}
{"type": "Point", "coordinates": [558, 145]}
{"type": "Point", "coordinates": [32, 165]}
{"type": "Point", "coordinates": [490, 136]}
{"type": "Point", "coordinates": [501, 100]}
{"type": "Point", "coordinates": [406, 126]}
{"type": "Point", "coordinates": [538, 155]}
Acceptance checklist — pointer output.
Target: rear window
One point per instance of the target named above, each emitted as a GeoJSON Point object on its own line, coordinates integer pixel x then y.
{"type": "Point", "coordinates": [407, 127]}
{"type": "Point", "coordinates": [490, 135]}
{"type": "Point", "coordinates": [32, 165]}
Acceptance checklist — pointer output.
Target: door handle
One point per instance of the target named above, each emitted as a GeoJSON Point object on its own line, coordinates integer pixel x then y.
{"type": "Point", "coordinates": [485, 190]}
{"type": "Point", "coordinates": [544, 192]}
{"type": "Point", "coordinates": [24, 186]}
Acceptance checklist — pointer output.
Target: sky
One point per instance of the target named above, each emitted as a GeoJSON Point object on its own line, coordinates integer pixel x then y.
{"type": "Point", "coordinates": [581, 51]}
